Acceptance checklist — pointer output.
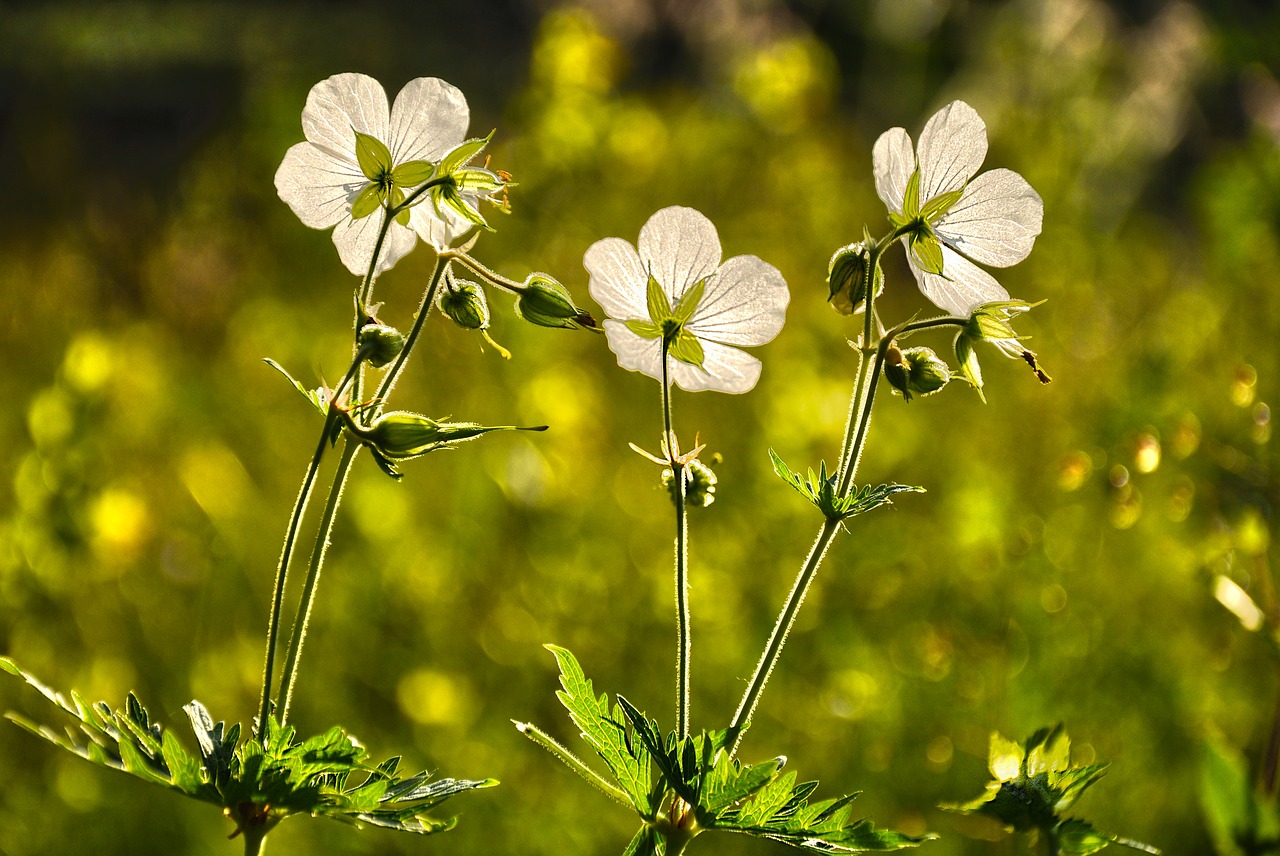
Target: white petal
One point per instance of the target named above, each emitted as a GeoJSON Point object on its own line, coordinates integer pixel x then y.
{"type": "Point", "coordinates": [429, 118]}
{"type": "Point", "coordinates": [341, 104]}
{"type": "Point", "coordinates": [355, 239]}
{"type": "Point", "coordinates": [317, 186]}
{"type": "Point", "coordinates": [963, 286]}
{"type": "Point", "coordinates": [893, 161]}
{"type": "Point", "coordinates": [724, 369]}
{"type": "Point", "coordinates": [745, 303]}
{"type": "Point", "coordinates": [952, 147]}
{"type": "Point", "coordinates": [617, 278]}
{"type": "Point", "coordinates": [996, 220]}
{"type": "Point", "coordinates": [679, 246]}
{"type": "Point", "coordinates": [442, 230]}
{"type": "Point", "coordinates": [635, 353]}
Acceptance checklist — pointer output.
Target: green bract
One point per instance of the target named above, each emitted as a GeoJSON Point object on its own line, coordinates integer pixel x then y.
{"type": "Point", "coordinates": [546, 303]}
{"type": "Point", "coordinates": [1034, 782]}
{"type": "Point", "coordinates": [681, 788]}
{"type": "Point", "coordinates": [401, 436]}
{"type": "Point", "coordinates": [821, 490]}
{"type": "Point", "coordinates": [256, 782]}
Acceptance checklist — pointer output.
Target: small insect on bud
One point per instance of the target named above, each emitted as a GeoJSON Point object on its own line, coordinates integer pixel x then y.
{"type": "Point", "coordinates": [700, 483]}
{"type": "Point", "coordinates": [546, 303]}
{"type": "Point", "coordinates": [915, 371]}
{"type": "Point", "coordinates": [847, 278]}
{"type": "Point", "coordinates": [383, 343]}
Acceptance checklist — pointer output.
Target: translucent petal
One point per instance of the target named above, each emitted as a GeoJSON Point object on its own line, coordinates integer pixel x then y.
{"type": "Point", "coordinates": [952, 147]}
{"type": "Point", "coordinates": [429, 118]}
{"type": "Point", "coordinates": [962, 286]}
{"type": "Point", "coordinates": [745, 303]}
{"type": "Point", "coordinates": [355, 239]}
{"type": "Point", "coordinates": [893, 161]}
{"type": "Point", "coordinates": [340, 104]}
{"type": "Point", "coordinates": [317, 186]}
{"type": "Point", "coordinates": [724, 369]}
{"type": "Point", "coordinates": [996, 220]}
{"type": "Point", "coordinates": [617, 278]}
{"type": "Point", "coordinates": [679, 246]}
{"type": "Point", "coordinates": [442, 230]}
{"type": "Point", "coordinates": [634, 352]}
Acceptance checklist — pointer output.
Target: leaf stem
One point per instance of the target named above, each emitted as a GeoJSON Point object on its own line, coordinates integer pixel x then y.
{"type": "Point", "coordinates": [683, 619]}
{"type": "Point", "coordinates": [255, 840]}
{"type": "Point", "coordinates": [573, 762]}
{"type": "Point", "coordinates": [325, 530]}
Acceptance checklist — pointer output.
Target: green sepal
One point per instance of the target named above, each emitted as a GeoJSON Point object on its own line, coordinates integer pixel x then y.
{"type": "Point", "coordinates": [820, 489]}
{"type": "Point", "coordinates": [403, 218]}
{"type": "Point", "coordinates": [657, 301]}
{"type": "Point", "coordinates": [926, 249]}
{"type": "Point", "coordinates": [911, 197]}
{"type": "Point", "coordinates": [686, 348]}
{"type": "Point", "coordinates": [688, 302]}
{"type": "Point", "coordinates": [373, 156]}
{"type": "Point", "coordinates": [318, 397]}
{"type": "Point", "coordinates": [939, 205]}
{"type": "Point", "coordinates": [967, 359]}
{"type": "Point", "coordinates": [412, 173]}
{"type": "Point", "coordinates": [366, 202]}
{"type": "Point", "coordinates": [644, 329]}
{"type": "Point", "coordinates": [462, 154]}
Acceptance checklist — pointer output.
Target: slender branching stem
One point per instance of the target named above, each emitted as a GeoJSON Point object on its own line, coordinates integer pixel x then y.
{"type": "Point", "coordinates": [325, 530]}
{"type": "Point", "coordinates": [290, 541]}
{"type": "Point", "coordinates": [489, 274]}
{"type": "Point", "coordinates": [573, 762]}
{"type": "Point", "coordinates": [683, 621]}
{"type": "Point", "coordinates": [781, 629]}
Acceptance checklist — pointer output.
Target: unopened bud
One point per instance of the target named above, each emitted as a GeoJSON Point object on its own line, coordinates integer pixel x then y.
{"type": "Point", "coordinates": [464, 304]}
{"type": "Point", "coordinates": [915, 371]}
{"type": "Point", "coordinates": [847, 278]}
{"type": "Point", "coordinates": [384, 343]}
{"type": "Point", "coordinates": [546, 303]}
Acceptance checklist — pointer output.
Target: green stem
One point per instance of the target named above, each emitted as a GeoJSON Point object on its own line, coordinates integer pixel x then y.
{"type": "Point", "coordinates": [349, 452]}
{"type": "Point", "coordinates": [255, 840]}
{"type": "Point", "coordinates": [683, 619]}
{"type": "Point", "coordinates": [573, 762]}
{"type": "Point", "coordinates": [781, 629]}
{"type": "Point", "coordinates": [290, 541]}
{"type": "Point", "coordinates": [488, 274]}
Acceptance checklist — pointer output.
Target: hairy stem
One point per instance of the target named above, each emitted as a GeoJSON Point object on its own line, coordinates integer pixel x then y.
{"type": "Point", "coordinates": [683, 620]}
{"type": "Point", "coordinates": [325, 530]}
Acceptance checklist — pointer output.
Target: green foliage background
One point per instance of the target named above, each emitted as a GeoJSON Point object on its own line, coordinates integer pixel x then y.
{"type": "Point", "coordinates": [1060, 567]}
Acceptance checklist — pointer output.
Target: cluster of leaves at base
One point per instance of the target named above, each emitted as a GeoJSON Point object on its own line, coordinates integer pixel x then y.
{"type": "Point", "coordinates": [1034, 783]}
{"type": "Point", "coordinates": [255, 782]}
{"type": "Point", "coordinates": [821, 490]}
{"type": "Point", "coordinates": [1242, 819]}
{"type": "Point", "coordinates": [696, 779]}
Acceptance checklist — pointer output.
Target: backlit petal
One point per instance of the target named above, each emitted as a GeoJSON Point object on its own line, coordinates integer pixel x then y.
{"type": "Point", "coordinates": [745, 303]}
{"type": "Point", "coordinates": [952, 147]}
{"type": "Point", "coordinates": [962, 286]}
{"type": "Point", "coordinates": [340, 104]}
{"type": "Point", "coordinates": [318, 187]}
{"type": "Point", "coordinates": [893, 161]}
{"type": "Point", "coordinates": [996, 220]}
{"type": "Point", "coordinates": [617, 278]}
{"type": "Point", "coordinates": [355, 240]}
{"type": "Point", "coordinates": [634, 352]}
{"type": "Point", "coordinates": [429, 118]}
{"type": "Point", "coordinates": [724, 369]}
{"type": "Point", "coordinates": [442, 230]}
{"type": "Point", "coordinates": [679, 246]}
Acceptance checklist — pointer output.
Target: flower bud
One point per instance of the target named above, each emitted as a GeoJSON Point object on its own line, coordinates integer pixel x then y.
{"type": "Point", "coordinates": [915, 371]}
{"type": "Point", "coordinates": [464, 304]}
{"type": "Point", "coordinates": [384, 343]}
{"type": "Point", "coordinates": [546, 303]}
{"type": "Point", "coordinates": [847, 278]}
{"type": "Point", "coordinates": [700, 484]}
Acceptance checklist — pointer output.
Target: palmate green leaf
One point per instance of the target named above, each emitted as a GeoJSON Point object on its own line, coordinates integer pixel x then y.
{"type": "Point", "coordinates": [250, 781]}
{"type": "Point", "coordinates": [605, 731]}
{"type": "Point", "coordinates": [820, 490]}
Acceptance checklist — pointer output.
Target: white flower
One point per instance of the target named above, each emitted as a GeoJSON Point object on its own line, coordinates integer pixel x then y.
{"type": "Point", "coordinates": [675, 286]}
{"type": "Point", "coordinates": [992, 219]}
{"type": "Point", "coordinates": [322, 178]}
